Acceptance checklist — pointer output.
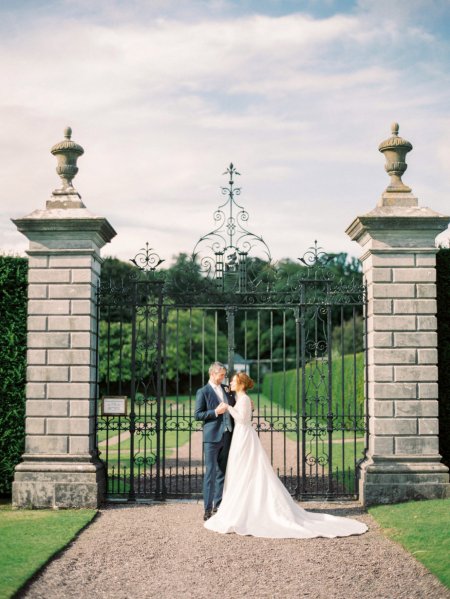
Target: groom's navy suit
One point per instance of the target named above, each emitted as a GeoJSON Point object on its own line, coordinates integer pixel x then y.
{"type": "Point", "coordinates": [216, 442]}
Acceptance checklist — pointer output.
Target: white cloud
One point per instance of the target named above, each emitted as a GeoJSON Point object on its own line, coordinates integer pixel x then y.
{"type": "Point", "coordinates": [162, 106]}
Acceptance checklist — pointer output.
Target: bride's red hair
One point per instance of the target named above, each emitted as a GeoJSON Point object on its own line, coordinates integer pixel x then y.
{"type": "Point", "coordinates": [244, 381]}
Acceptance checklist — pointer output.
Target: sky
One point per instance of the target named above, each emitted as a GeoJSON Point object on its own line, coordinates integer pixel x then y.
{"type": "Point", "coordinates": [164, 94]}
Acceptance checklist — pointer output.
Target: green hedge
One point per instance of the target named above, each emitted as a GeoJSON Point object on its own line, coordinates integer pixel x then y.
{"type": "Point", "coordinates": [13, 331]}
{"type": "Point", "coordinates": [443, 314]}
{"type": "Point", "coordinates": [281, 387]}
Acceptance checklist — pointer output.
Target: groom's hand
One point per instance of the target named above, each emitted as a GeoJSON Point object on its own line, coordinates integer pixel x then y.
{"type": "Point", "coordinates": [221, 408]}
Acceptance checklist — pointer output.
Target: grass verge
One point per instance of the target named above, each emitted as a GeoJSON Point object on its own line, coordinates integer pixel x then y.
{"type": "Point", "coordinates": [423, 529]}
{"type": "Point", "coordinates": [29, 538]}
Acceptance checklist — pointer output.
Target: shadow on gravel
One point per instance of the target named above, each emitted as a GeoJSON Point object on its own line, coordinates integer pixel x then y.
{"type": "Point", "coordinates": [349, 509]}
{"type": "Point", "coordinates": [337, 510]}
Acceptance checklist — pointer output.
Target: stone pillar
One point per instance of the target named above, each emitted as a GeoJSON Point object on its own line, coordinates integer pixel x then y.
{"type": "Point", "coordinates": [60, 468]}
{"type": "Point", "coordinates": [399, 255]}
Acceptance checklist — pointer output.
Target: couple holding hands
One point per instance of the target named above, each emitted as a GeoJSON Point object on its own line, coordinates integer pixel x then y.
{"type": "Point", "coordinates": [241, 491]}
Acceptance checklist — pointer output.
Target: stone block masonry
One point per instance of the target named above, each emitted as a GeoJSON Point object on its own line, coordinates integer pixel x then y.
{"type": "Point", "coordinates": [66, 372]}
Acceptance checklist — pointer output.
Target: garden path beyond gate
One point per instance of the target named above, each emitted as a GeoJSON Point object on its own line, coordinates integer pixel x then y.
{"type": "Point", "coordinates": [297, 329]}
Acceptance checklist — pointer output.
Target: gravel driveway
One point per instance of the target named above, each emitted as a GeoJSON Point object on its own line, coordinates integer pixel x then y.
{"type": "Point", "coordinates": [141, 551]}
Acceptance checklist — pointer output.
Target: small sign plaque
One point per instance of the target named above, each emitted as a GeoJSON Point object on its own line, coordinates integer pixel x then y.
{"type": "Point", "coordinates": [114, 405]}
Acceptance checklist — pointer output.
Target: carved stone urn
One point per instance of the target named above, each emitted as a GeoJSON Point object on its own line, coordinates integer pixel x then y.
{"type": "Point", "coordinates": [395, 149]}
{"type": "Point", "coordinates": [67, 153]}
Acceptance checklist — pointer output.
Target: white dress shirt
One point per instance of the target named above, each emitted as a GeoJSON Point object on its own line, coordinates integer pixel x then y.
{"type": "Point", "coordinates": [219, 392]}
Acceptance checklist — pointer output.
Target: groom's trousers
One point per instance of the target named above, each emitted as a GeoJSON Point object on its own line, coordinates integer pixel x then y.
{"type": "Point", "coordinates": [216, 457]}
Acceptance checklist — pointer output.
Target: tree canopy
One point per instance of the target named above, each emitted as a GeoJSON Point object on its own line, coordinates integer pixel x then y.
{"type": "Point", "coordinates": [194, 337]}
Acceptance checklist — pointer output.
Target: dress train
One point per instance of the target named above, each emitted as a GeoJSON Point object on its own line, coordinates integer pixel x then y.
{"type": "Point", "coordinates": [255, 502]}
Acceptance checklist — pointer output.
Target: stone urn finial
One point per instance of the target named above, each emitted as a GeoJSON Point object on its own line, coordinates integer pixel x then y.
{"type": "Point", "coordinates": [395, 149]}
{"type": "Point", "coordinates": [67, 153]}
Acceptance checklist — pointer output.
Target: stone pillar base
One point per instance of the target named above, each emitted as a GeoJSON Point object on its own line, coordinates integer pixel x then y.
{"type": "Point", "coordinates": [59, 482]}
{"type": "Point", "coordinates": [412, 478]}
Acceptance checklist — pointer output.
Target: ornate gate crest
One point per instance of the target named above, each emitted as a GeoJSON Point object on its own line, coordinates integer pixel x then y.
{"type": "Point", "coordinates": [223, 252]}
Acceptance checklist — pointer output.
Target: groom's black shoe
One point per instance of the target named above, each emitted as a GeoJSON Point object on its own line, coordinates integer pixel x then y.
{"type": "Point", "coordinates": [215, 508]}
{"type": "Point", "coordinates": [207, 515]}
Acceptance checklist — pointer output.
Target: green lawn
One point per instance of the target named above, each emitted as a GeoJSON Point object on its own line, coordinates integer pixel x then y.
{"type": "Point", "coordinates": [29, 538]}
{"type": "Point", "coordinates": [423, 528]}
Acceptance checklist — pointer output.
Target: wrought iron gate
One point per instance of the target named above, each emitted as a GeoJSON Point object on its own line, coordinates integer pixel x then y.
{"type": "Point", "coordinates": [295, 329]}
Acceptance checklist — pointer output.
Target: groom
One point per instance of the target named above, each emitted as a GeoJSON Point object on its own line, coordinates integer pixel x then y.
{"type": "Point", "coordinates": [210, 406]}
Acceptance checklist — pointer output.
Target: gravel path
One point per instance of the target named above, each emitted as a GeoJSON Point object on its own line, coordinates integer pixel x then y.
{"type": "Point", "coordinates": [156, 550]}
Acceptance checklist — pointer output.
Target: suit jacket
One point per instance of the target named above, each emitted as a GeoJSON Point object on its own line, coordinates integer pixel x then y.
{"type": "Point", "coordinates": [206, 402]}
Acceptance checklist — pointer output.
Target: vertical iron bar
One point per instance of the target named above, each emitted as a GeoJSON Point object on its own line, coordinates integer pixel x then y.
{"type": "Point", "coordinates": [190, 400]}
{"type": "Point", "coordinates": [158, 494]}
{"type": "Point", "coordinates": [108, 349]}
{"type": "Point", "coordinates": [119, 420]}
{"type": "Point", "coordinates": [272, 400]}
{"type": "Point", "coordinates": [343, 390]}
{"type": "Point", "coordinates": [132, 429]}
{"type": "Point", "coordinates": [230, 313]}
{"type": "Point", "coordinates": [246, 341]}
{"type": "Point", "coordinates": [164, 416]}
{"type": "Point", "coordinates": [284, 398]}
{"type": "Point", "coordinates": [203, 345]}
{"type": "Point", "coordinates": [330, 427]}
{"type": "Point", "coordinates": [355, 401]}
{"type": "Point", "coordinates": [177, 434]}
{"type": "Point", "coordinates": [120, 348]}
{"type": "Point", "coordinates": [300, 387]}
{"type": "Point", "coordinates": [216, 327]}
{"type": "Point", "coordinates": [258, 368]}
{"type": "Point", "coordinates": [366, 373]}
{"type": "Point", "coordinates": [317, 420]}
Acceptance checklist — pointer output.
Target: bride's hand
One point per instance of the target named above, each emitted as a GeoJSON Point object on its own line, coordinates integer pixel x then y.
{"type": "Point", "coordinates": [221, 408]}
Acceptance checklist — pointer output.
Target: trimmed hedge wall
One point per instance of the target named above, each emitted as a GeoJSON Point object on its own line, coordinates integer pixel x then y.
{"type": "Point", "coordinates": [13, 336]}
{"type": "Point", "coordinates": [281, 387]}
{"type": "Point", "coordinates": [443, 314]}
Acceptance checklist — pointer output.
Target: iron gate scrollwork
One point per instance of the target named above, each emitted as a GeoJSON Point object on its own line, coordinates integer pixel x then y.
{"type": "Point", "coordinates": [296, 328]}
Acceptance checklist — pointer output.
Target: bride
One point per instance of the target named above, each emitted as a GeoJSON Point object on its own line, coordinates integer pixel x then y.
{"type": "Point", "coordinates": [255, 502]}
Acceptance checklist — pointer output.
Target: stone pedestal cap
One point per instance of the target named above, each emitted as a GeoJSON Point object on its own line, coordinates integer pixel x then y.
{"type": "Point", "coordinates": [390, 227]}
{"type": "Point", "coordinates": [65, 228]}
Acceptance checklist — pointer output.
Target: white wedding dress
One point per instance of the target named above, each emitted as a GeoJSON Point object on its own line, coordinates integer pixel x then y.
{"type": "Point", "coordinates": [255, 502]}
